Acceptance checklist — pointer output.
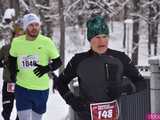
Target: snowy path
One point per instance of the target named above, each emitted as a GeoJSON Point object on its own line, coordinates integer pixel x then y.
{"type": "Point", "coordinates": [56, 107]}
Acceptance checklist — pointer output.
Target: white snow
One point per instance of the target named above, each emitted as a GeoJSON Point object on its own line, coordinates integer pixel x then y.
{"type": "Point", "coordinates": [56, 107]}
{"type": "Point", "coordinates": [9, 13]}
{"type": "Point", "coordinates": [128, 21]}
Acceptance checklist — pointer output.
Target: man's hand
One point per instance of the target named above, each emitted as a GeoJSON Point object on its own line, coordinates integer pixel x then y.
{"type": "Point", "coordinates": [115, 91]}
{"type": "Point", "coordinates": [41, 70]}
{"type": "Point", "coordinates": [1, 63]}
{"type": "Point", "coordinates": [10, 87]}
{"type": "Point", "coordinates": [76, 102]}
{"type": "Point", "coordinates": [55, 81]}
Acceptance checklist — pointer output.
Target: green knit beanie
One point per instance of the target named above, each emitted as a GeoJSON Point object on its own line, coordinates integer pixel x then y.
{"type": "Point", "coordinates": [96, 26]}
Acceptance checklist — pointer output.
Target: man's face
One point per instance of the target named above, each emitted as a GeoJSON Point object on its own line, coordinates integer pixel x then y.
{"type": "Point", "coordinates": [33, 29]}
{"type": "Point", "coordinates": [99, 43]}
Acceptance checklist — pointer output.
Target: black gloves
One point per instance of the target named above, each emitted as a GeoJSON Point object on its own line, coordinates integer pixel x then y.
{"type": "Point", "coordinates": [76, 102]}
{"type": "Point", "coordinates": [115, 91]}
{"type": "Point", "coordinates": [55, 81]}
{"type": "Point", "coordinates": [1, 63]}
{"type": "Point", "coordinates": [41, 70]}
{"type": "Point", "coordinates": [129, 89]}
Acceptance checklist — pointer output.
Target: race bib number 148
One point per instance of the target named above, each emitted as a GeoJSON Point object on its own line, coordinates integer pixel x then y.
{"type": "Point", "coordinates": [105, 111]}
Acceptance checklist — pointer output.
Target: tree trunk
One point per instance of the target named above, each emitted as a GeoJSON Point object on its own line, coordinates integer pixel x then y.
{"type": "Point", "coordinates": [15, 4]}
{"type": "Point", "coordinates": [32, 4]}
{"type": "Point", "coordinates": [135, 33]}
{"type": "Point", "coordinates": [49, 23]}
{"type": "Point", "coordinates": [62, 33]}
{"type": "Point", "coordinates": [153, 28]}
{"type": "Point", "coordinates": [124, 26]}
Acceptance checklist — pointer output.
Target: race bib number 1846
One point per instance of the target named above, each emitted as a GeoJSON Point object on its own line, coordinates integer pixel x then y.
{"type": "Point", "coordinates": [28, 62]}
{"type": "Point", "coordinates": [105, 111]}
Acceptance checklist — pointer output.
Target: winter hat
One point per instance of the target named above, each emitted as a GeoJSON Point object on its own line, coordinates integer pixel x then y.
{"type": "Point", "coordinates": [30, 18]}
{"type": "Point", "coordinates": [96, 26]}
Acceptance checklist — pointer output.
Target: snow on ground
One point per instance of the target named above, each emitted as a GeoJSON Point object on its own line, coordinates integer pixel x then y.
{"type": "Point", "coordinates": [56, 107]}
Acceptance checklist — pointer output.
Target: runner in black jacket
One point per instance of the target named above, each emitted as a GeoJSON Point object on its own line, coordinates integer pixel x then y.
{"type": "Point", "coordinates": [99, 71]}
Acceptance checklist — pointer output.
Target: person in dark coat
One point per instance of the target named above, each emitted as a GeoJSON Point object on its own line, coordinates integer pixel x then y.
{"type": "Point", "coordinates": [7, 96]}
{"type": "Point", "coordinates": [99, 72]}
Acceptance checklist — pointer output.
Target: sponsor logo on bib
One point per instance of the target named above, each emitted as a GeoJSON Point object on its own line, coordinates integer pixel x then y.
{"type": "Point", "coordinates": [28, 62]}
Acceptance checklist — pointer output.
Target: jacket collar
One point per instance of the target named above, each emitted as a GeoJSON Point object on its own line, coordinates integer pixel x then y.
{"type": "Point", "coordinates": [91, 52]}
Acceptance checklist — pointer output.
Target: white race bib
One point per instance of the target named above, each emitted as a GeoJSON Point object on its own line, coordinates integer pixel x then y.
{"type": "Point", "coordinates": [28, 62]}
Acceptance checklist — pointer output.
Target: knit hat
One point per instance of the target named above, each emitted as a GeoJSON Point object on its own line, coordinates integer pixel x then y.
{"type": "Point", "coordinates": [96, 26]}
{"type": "Point", "coordinates": [30, 18]}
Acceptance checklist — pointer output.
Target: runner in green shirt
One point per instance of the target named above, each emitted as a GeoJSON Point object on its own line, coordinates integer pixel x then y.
{"type": "Point", "coordinates": [32, 56]}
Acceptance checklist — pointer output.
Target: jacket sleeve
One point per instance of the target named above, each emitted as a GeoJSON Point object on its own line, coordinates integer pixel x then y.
{"type": "Point", "coordinates": [1, 64]}
{"type": "Point", "coordinates": [66, 76]}
{"type": "Point", "coordinates": [12, 67]}
{"type": "Point", "coordinates": [55, 63]}
{"type": "Point", "coordinates": [132, 73]}
{"type": "Point", "coordinates": [1, 57]}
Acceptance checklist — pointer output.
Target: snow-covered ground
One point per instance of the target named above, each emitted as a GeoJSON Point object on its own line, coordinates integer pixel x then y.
{"type": "Point", "coordinates": [57, 109]}
{"type": "Point", "coordinates": [56, 106]}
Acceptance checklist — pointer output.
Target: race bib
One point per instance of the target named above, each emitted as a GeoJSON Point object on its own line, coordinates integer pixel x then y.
{"type": "Point", "coordinates": [28, 62]}
{"type": "Point", "coordinates": [105, 111]}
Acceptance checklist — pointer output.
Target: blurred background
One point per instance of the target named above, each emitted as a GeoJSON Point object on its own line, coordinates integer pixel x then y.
{"type": "Point", "coordinates": [134, 29]}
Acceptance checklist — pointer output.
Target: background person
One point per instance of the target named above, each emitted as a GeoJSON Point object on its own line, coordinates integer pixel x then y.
{"type": "Point", "coordinates": [8, 97]}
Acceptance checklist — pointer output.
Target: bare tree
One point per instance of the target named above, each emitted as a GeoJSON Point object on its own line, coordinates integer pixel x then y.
{"type": "Point", "coordinates": [15, 4]}
{"type": "Point", "coordinates": [87, 8]}
{"type": "Point", "coordinates": [154, 9]}
{"type": "Point", "coordinates": [124, 26]}
{"type": "Point", "coordinates": [148, 11]}
{"type": "Point", "coordinates": [62, 33]}
{"type": "Point", "coordinates": [135, 42]}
